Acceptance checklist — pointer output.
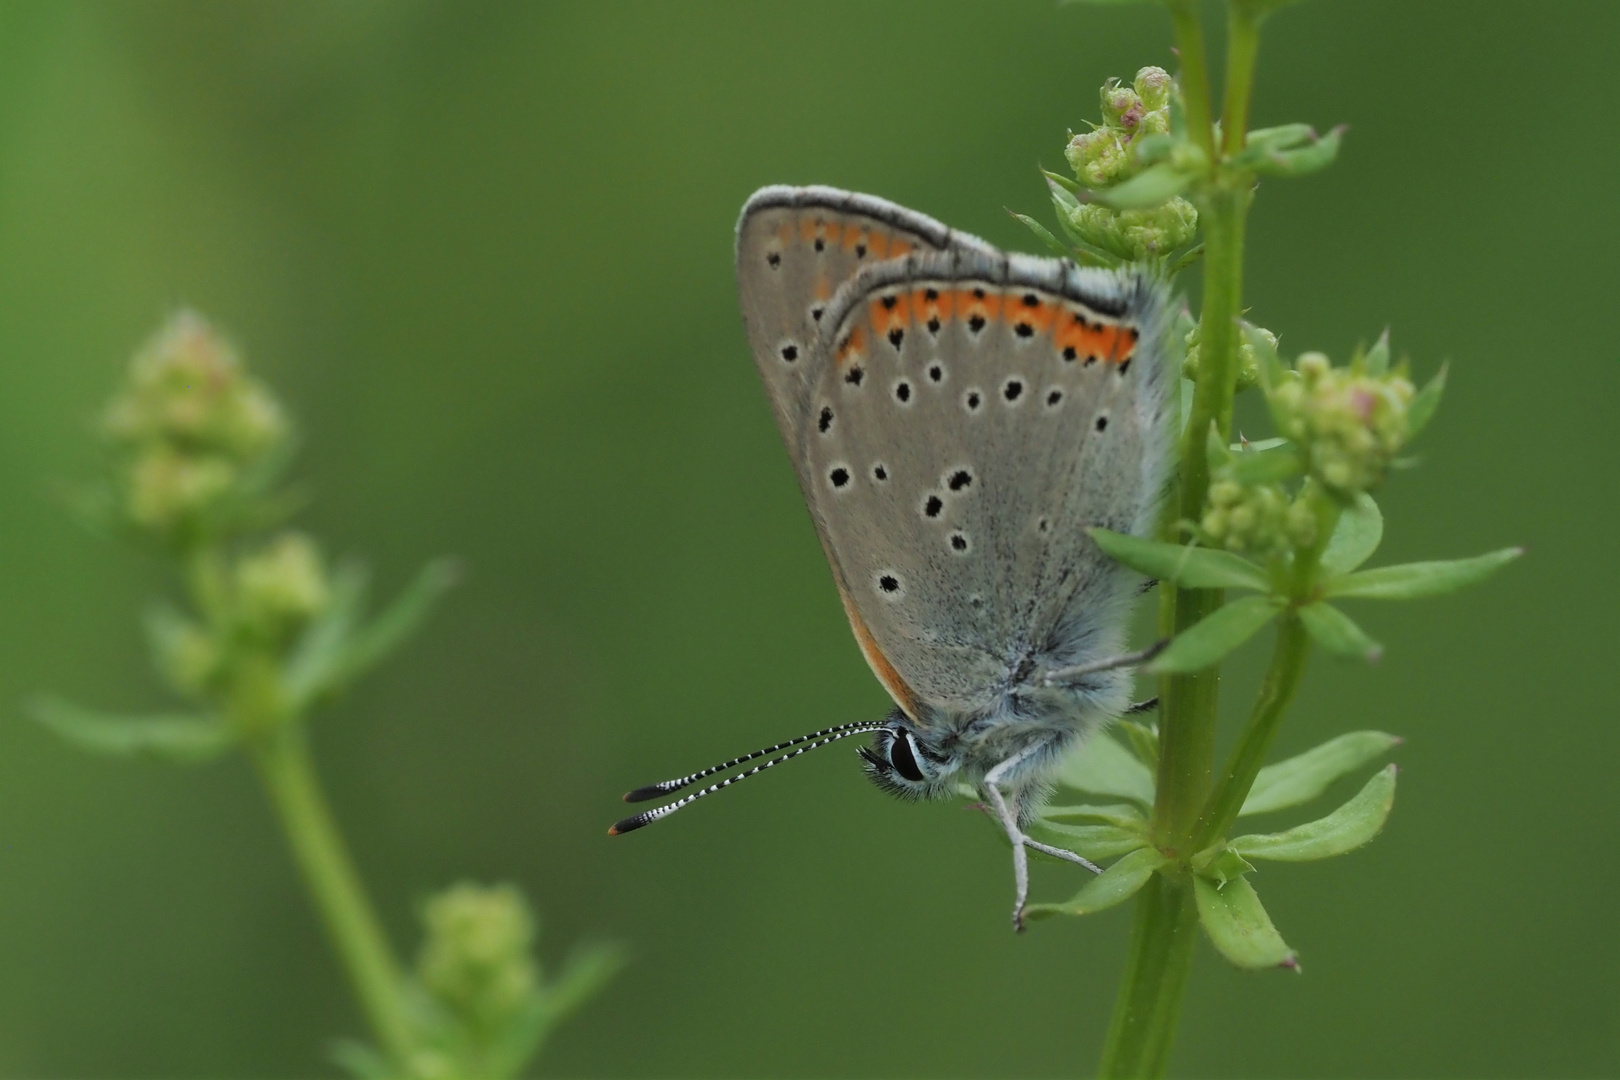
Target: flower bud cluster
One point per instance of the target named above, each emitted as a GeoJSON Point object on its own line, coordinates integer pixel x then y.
{"type": "Point", "coordinates": [264, 599]}
{"type": "Point", "coordinates": [1349, 422]}
{"type": "Point", "coordinates": [190, 421]}
{"type": "Point", "coordinates": [1256, 519]}
{"type": "Point", "coordinates": [1106, 156]}
{"type": "Point", "coordinates": [281, 587]}
{"type": "Point", "coordinates": [476, 960]}
{"type": "Point", "coordinates": [1248, 362]}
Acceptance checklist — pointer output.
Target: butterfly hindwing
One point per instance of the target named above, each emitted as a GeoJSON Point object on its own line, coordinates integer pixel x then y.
{"type": "Point", "coordinates": [795, 248]}
{"type": "Point", "coordinates": [969, 415]}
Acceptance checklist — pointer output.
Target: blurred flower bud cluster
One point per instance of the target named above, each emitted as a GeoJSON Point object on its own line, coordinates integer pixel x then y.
{"type": "Point", "coordinates": [1350, 422]}
{"type": "Point", "coordinates": [1248, 363]}
{"type": "Point", "coordinates": [1262, 520]}
{"type": "Point", "coordinates": [476, 960]}
{"type": "Point", "coordinates": [192, 429]}
{"type": "Point", "coordinates": [1109, 155]}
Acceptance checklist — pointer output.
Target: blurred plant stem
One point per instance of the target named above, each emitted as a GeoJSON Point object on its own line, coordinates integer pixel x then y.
{"type": "Point", "coordinates": [281, 755]}
{"type": "Point", "coordinates": [198, 446]}
{"type": "Point", "coordinates": [1165, 927]}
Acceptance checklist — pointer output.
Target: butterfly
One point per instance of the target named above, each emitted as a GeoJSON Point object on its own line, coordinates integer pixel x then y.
{"type": "Point", "coordinates": [957, 417]}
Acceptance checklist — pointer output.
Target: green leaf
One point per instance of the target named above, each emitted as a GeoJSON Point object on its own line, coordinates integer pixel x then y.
{"type": "Point", "coordinates": [584, 975]}
{"type": "Point", "coordinates": [1282, 137]}
{"type": "Point", "coordinates": [1124, 815]}
{"type": "Point", "coordinates": [1151, 187]}
{"type": "Point", "coordinates": [1346, 829]}
{"type": "Point", "coordinates": [1114, 885]}
{"type": "Point", "coordinates": [1376, 359]}
{"type": "Point", "coordinates": [1203, 644]}
{"type": "Point", "coordinates": [362, 1061]}
{"type": "Point", "coordinates": [1413, 581]}
{"type": "Point", "coordinates": [1272, 373]}
{"type": "Point", "coordinates": [1144, 742]}
{"type": "Point", "coordinates": [317, 656]}
{"type": "Point", "coordinates": [1238, 925]}
{"type": "Point", "coordinates": [1103, 767]}
{"type": "Point", "coordinates": [1094, 841]}
{"type": "Point", "coordinates": [1302, 161]}
{"type": "Point", "coordinates": [1337, 632]}
{"type": "Point", "coordinates": [1221, 864]}
{"type": "Point", "coordinates": [1187, 258]}
{"type": "Point", "coordinates": [1215, 447]}
{"type": "Point", "coordinates": [1187, 566]}
{"type": "Point", "coordinates": [1063, 193]}
{"type": "Point", "coordinates": [1266, 465]}
{"type": "Point", "coordinates": [397, 622]}
{"type": "Point", "coordinates": [1301, 778]}
{"type": "Point", "coordinates": [1044, 234]}
{"type": "Point", "coordinates": [1355, 538]}
{"type": "Point", "coordinates": [1421, 409]}
{"type": "Point", "coordinates": [182, 738]}
{"type": "Point", "coordinates": [1152, 149]}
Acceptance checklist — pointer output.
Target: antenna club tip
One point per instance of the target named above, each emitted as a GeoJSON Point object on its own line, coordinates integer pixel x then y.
{"type": "Point", "coordinates": [621, 827]}
{"type": "Point", "coordinates": [651, 791]}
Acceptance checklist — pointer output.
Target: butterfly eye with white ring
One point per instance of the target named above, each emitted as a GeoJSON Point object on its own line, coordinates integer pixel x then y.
{"type": "Point", "coordinates": [903, 756]}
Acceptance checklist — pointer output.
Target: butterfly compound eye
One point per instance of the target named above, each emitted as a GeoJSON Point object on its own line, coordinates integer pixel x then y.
{"type": "Point", "coordinates": [903, 759]}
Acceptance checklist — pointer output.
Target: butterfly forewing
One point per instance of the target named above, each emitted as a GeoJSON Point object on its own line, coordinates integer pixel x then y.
{"type": "Point", "coordinates": [795, 248]}
{"type": "Point", "coordinates": [969, 415]}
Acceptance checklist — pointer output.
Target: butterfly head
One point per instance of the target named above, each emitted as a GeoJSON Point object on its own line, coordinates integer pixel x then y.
{"type": "Point", "coordinates": [904, 761]}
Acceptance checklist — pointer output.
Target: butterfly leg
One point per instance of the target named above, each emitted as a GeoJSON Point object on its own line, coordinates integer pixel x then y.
{"type": "Point", "coordinates": [1009, 821]}
{"type": "Point", "coordinates": [1020, 840]}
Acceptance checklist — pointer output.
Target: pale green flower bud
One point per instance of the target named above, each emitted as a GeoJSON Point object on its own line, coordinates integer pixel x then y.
{"type": "Point", "coordinates": [1248, 519]}
{"type": "Point", "coordinates": [1121, 107]}
{"type": "Point", "coordinates": [1350, 424]}
{"type": "Point", "coordinates": [1099, 158]}
{"type": "Point", "coordinates": [189, 657]}
{"type": "Point", "coordinates": [1153, 85]}
{"type": "Point", "coordinates": [187, 388]}
{"type": "Point", "coordinates": [1248, 362]}
{"type": "Point", "coordinates": [1225, 492]}
{"type": "Point", "coordinates": [167, 489]}
{"type": "Point", "coordinates": [476, 959]}
{"type": "Point", "coordinates": [1312, 366]}
{"type": "Point", "coordinates": [1136, 234]}
{"type": "Point", "coordinates": [281, 587]}
{"type": "Point", "coordinates": [1301, 525]}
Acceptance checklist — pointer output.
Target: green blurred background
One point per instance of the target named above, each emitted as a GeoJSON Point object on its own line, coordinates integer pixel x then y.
{"type": "Point", "coordinates": [484, 252]}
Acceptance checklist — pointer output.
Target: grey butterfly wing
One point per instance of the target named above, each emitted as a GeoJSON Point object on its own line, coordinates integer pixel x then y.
{"type": "Point", "coordinates": [795, 248]}
{"type": "Point", "coordinates": [972, 413]}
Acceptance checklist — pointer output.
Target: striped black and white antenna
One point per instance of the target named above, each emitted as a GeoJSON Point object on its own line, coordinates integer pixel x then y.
{"type": "Point", "coordinates": [804, 743]}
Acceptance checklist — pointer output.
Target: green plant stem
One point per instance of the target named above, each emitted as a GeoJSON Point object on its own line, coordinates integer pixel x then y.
{"type": "Point", "coordinates": [1194, 76]}
{"type": "Point", "coordinates": [1282, 679]}
{"type": "Point", "coordinates": [1144, 1024]}
{"type": "Point", "coordinates": [1288, 658]}
{"type": "Point", "coordinates": [283, 760]}
{"type": "Point", "coordinates": [1149, 1004]}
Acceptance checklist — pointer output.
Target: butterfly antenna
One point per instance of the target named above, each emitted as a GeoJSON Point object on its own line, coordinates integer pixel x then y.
{"type": "Point", "coordinates": [669, 787]}
{"type": "Point", "coordinates": [805, 743]}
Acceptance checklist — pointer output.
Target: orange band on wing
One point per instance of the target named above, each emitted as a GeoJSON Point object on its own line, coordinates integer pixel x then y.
{"type": "Point", "coordinates": [1094, 340]}
{"type": "Point", "coordinates": [889, 312]}
{"type": "Point", "coordinates": [890, 678]}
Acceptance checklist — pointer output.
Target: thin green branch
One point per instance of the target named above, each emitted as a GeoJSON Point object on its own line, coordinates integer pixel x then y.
{"type": "Point", "coordinates": [1194, 76]}
{"type": "Point", "coordinates": [1249, 755]}
{"type": "Point", "coordinates": [283, 760]}
{"type": "Point", "coordinates": [1242, 48]}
